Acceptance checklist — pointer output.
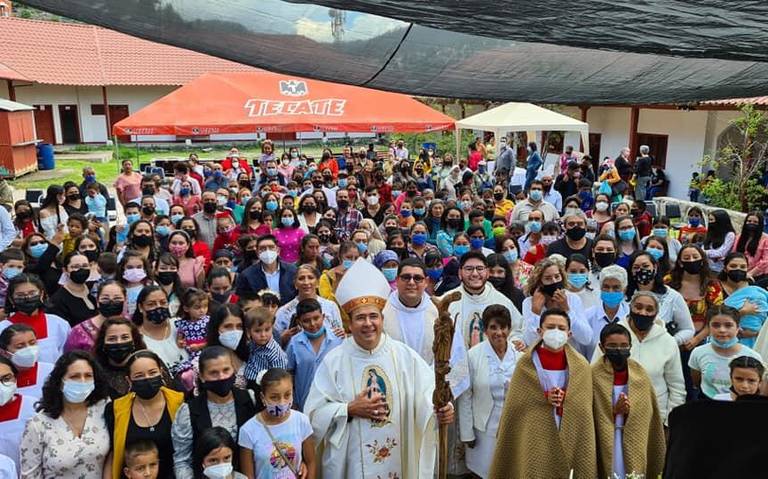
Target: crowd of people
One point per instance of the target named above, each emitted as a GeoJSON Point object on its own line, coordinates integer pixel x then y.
{"type": "Point", "coordinates": [275, 317]}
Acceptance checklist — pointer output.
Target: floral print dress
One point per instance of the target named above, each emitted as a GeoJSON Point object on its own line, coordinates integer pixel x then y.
{"type": "Point", "coordinates": [49, 449]}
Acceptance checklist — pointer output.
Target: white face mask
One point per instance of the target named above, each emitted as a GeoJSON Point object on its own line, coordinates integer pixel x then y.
{"type": "Point", "coordinates": [268, 256]}
{"type": "Point", "coordinates": [26, 357]}
{"type": "Point", "coordinates": [554, 338]}
{"type": "Point", "coordinates": [218, 471]}
{"type": "Point", "coordinates": [6, 393]}
{"type": "Point", "coordinates": [77, 391]}
{"type": "Point", "coordinates": [601, 206]}
{"type": "Point", "coordinates": [373, 200]}
{"type": "Point", "coordinates": [231, 339]}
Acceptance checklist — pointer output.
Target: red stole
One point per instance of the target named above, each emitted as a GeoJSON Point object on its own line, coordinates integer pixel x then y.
{"type": "Point", "coordinates": [11, 411]}
{"type": "Point", "coordinates": [27, 377]}
{"type": "Point", "coordinates": [37, 322]}
{"type": "Point", "coordinates": [621, 378]}
{"type": "Point", "coordinates": [553, 361]}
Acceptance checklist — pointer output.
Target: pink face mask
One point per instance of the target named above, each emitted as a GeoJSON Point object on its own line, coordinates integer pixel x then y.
{"type": "Point", "coordinates": [177, 251]}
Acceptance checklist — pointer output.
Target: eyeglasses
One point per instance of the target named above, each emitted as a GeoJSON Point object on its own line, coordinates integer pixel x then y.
{"type": "Point", "coordinates": [416, 278]}
{"type": "Point", "coordinates": [470, 269]}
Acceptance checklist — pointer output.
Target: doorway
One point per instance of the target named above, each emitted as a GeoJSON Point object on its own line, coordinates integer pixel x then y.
{"type": "Point", "coordinates": [117, 113]}
{"type": "Point", "coordinates": [44, 123]}
{"type": "Point", "coordinates": [70, 124]}
{"type": "Point", "coordinates": [657, 144]}
{"type": "Point", "coordinates": [594, 149]}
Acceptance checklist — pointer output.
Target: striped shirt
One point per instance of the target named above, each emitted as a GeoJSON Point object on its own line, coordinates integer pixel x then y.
{"type": "Point", "coordinates": [265, 357]}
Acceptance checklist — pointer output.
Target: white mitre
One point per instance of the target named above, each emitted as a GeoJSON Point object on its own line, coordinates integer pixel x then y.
{"type": "Point", "coordinates": [362, 285]}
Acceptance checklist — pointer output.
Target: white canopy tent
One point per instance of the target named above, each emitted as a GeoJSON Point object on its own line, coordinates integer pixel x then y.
{"type": "Point", "coordinates": [521, 117]}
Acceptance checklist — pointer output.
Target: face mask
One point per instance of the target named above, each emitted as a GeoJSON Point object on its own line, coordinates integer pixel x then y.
{"type": "Point", "coordinates": [572, 211]}
{"type": "Point", "coordinates": [460, 250]}
{"type": "Point", "coordinates": [419, 211]}
{"type": "Point", "coordinates": [549, 289]}
{"type": "Point", "coordinates": [347, 263]}
{"type": "Point", "coordinates": [118, 352]}
{"type": "Point", "coordinates": [405, 213]}
{"type": "Point", "coordinates": [231, 339]}
{"type": "Point", "coordinates": [605, 259]}
{"type": "Point", "coordinates": [694, 222]}
{"type": "Point", "coordinates": [166, 277]}
{"type": "Point", "coordinates": [268, 256]}
{"type": "Point", "coordinates": [660, 232]}
{"type": "Point", "coordinates": [80, 276]}
{"type": "Point", "coordinates": [372, 200]}
{"type": "Point", "coordinates": [148, 210]}
{"type": "Point", "coordinates": [324, 237]}
{"type": "Point", "coordinates": [510, 255]}
{"type": "Point", "coordinates": [575, 234]}
{"type": "Point", "coordinates": [287, 222]}
{"type": "Point", "coordinates": [218, 471]}
{"type": "Point", "coordinates": [611, 298]}
{"type": "Point", "coordinates": [76, 391]}
{"type": "Point", "coordinates": [142, 241]}
{"type": "Point", "coordinates": [534, 226]}
{"type": "Point", "coordinates": [11, 273]}
{"type": "Point", "coordinates": [536, 195]}
{"type": "Point", "coordinates": [555, 338]}
{"type": "Point", "coordinates": [396, 193]}
{"type": "Point", "coordinates": [132, 218]}
{"type": "Point", "coordinates": [343, 182]}
{"type": "Point", "coordinates": [435, 273]}
{"type": "Point", "coordinates": [6, 393]}
{"type": "Point", "coordinates": [221, 200]}
{"type": "Point", "coordinates": [178, 250]}
{"type": "Point", "coordinates": [221, 297]}
{"type": "Point", "coordinates": [627, 235]}
{"type": "Point", "coordinates": [271, 205]}
{"type": "Point", "coordinates": [737, 275]}
{"type": "Point", "coordinates": [724, 344]}
{"type": "Point", "coordinates": [134, 275]}
{"type": "Point", "coordinates": [476, 243]}
{"type": "Point", "coordinates": [641, 321]}
{"type": "Point", "coordinates": [389, 273]}
{"type": "Point", "coordinates": [455, 223]}
{"type": "Point", "coordinates": [90, 178]}
{"type": "Point", "coordinates": [497, 282]}
{"type": "Point", "coordinates": [316, 334]}
{"type": "Point", "coordinates": [618, 357]}
{"type": "Point", "coordinates": [147, 388]}
{"type": "Point", "coordinates": [220, 387]}
{"type": "Point", "coordinates": [498, 196]}
{"type": "Point", "coordinates": [751, 227]}
{"type": "Point", "coordinates": [176, 218]}
{"type": "Point", "coordinates": [185, 191]}
{"type": "Point", "coordinates": [28, 305]}
{"type": "Point", "coordinates": [278, 410]}
{"type": "Point", "coordinates": [655, 252]}
{"type": "Point", "coordinates": [158, 315]}
{"type": "Point", "coordinates": [644, 276]}
{"type": "Point", "coordinates": [548, 239]}
{"type": "Point", "coordinates": [162, 231]}
{"type": "Point", "coordinates": [25, 357]}
{"type": "Point", "coordinates": [209, 207]}
{"type": "Point", "coordinates": [692, 267]}
{"type": "Point", "coordinates": [362, 247]}
{"type": "Point", "coordinates": [601, 206]}
{"type": "Point", "coordinates": [499, 231]}
{"type": "Point", "coordinates": [37, 250]}
{"type": "Point", "coordinates": [578, 280]}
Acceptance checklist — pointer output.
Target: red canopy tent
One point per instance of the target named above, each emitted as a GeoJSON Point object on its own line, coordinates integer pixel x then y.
{"type": "Point", "coordinates": [264, 102]}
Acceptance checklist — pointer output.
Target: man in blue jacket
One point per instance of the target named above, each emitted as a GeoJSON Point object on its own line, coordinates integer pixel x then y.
{"type": "Point", "coordinates": [533, 164]}
{"type": "Point", "coordinates": [269, 272]}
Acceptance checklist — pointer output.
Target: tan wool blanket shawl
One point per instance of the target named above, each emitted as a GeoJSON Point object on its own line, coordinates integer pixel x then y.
{"type": "Point", "coordinates": [643, 439]}
{"type": "Point", "coordinates": [529, 446]}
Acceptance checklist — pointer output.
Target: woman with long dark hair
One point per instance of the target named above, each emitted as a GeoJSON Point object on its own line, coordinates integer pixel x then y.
{"type": "Point", "coordinates": [753, 243]}
{"type": "Point", "coordinates": [52, 215]}
{"type": "Point", "coordinates": [68, 437]}
{"type": "Point", "coordinates": [24, 219]}
{"type": "Point", "coordinates": [719, 240]}
{"type": "Point", "coordinates": [40, 259]}
{"type": "Point", "coordinates": [501, 276]}
{"type": "Point", "coordinates": [117, 339]}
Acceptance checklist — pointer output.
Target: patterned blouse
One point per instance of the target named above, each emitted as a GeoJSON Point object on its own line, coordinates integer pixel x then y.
{"type": "Point", "coordinates": [49, 449]}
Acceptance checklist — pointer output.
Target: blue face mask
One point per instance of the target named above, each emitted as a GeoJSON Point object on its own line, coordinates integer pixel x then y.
{"type": "Point", "coordinates": [578, 280]}
{"type": "Point", "coordinates": [695, 222]}
{"type": "Point", "coordinates": [419, 239]}
{"type": "Point", "coordinates": [362, 247]}
{"type": "Point", "coordinates": [11, 273]}
{"type": "Point", "coordinates": [655, 252]}
{"type": "Point", "coordinates": [660, 232]}
{"type": "Point", "coordinates": [389, 273]}
{"type": "Point", "coordinates": [316, 334]}
{"type": "Point", "coordinates": [343, 182]}
{"type": "Point", "coordinates": [724, 345]}
{"type": "Point", "coordinates": [132, 218]}
{"type": "Point", "coordinates": [611, 298]}
{"type": "Point", "coordinates": [405, 213]}
{"type": "Point", "coordinates": [271, 205]}
{"type": "Point", "coordinates": [419, 211]}
{"type": "Point", "coordinates": [627, 235]}
{"type": "Point", "coordinates": [176, 218]}
{"type": "Point", "coordinates": [534, 227]}
{"type": "Point", "coordinates": [536, 195]}
{"type": "Point", "coordinates": [510, 255]}
{"type": "Point", "coordinates": [347, 263]}
{"type": "Point", "coordinates": [163, 231]}
{"type": "Point", "coordinates": [435, 273]}
{"type": "Point", "coordinates": [90, 178]}
{"type": "Point", "coordinates": [287, 221]}
{"type": "Point", "coordinates": [460, 205]}
{"type": "Point", "coordinates": [37, 250]}
{"type": "Point", "coordinates": [271, 171]}
{"type": "Point", "coordinates": [460, 250]}
{"type": "Point", "coordinates": [476, 243]}
{"type": "Point", "coordinates": [184, 191]}
{"type": "Point", "coordinates": [396, 193]}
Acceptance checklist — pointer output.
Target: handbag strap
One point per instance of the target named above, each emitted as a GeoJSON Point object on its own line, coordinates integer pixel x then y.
{"type": "Point", "coordinates": [279, 451]}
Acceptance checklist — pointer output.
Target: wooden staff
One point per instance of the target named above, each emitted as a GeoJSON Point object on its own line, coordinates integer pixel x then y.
{"type": "Point", "coordinates": [441, 348]}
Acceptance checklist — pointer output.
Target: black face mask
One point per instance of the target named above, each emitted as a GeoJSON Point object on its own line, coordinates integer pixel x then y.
{"type": "Point", "coordinates": [24, 214]}
{"type": "Point", "coordinates": [498, 196]}
{"type": "Point", "coordinates": [737, 275]}
{"type": "Point", "coordinates": [73, 197]}
{"type": "Point", "coordinates": [617, 357]}
{"type": "Point", "coordinates": [317, 183]}
{"type": "Point", "coordinates": [245, 183]}
{"type": "Point", "coordinates": [142, 241]}
{"type": "Point", "coordinates": [644, 276]}
{"type": "Point", "coordinates": [575, 234]}
{"type": "Point", "coordinates": [605, 259]}
{"type": "Point", "coordinates": [91, 254]}
{"type": "Point", "coordinates": [118, 352]}
{"type": "Point", "coordinates": [191, 233]}
{"type": "Point", "coordinates": [693, 267]}
{"type": "Point", "coordinates": [111, 309]}
{"type": "Point", "coordinates": [221, 298]}
{"type": "Point", "coordinates": [641, 321]}
{"type": "Point", "coordinates": [158, 315]}
{"type": "Point", "coordinates": [79, 276]}
{"type": "Point", "coordinates": [402, 253]}
{"type": "Point", "coordinates": [148, 210]}
{"type": "Point", "coordinates": [343, 204]}
{"type": "Point", "coordinates": [455, 223]}
{"type": "Point", "coordinates": [254, 215]}
{"type": "Point", "coordinates": [209, 207]}
{"type": "Point", "coordinates": [28, 305]}
{"type": "Point", "coordinates": [324, 237]}
{"type": "Point", "coordinates": [220, 387]}
{"type": "Point", "coordinates": [497, 282]}
{"type": "Point", "coordinates": [550, 289]}
{"type": "Point", "coordinates": [250, 255]}
{"type": "Point", "coordinates": [309, 208]}
{"type": "Point", "coordinates": [166, 277]}
{"type": "Point", "coordinates": [148, 191]}
{"type": "Point", "coordinates": [147, 388]}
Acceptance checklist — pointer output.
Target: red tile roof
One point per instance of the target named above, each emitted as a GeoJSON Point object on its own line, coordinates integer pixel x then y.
{"type": "Point", "coordinates": [62, 53]}
{"type": "Point", "coordinates": [755, 100]}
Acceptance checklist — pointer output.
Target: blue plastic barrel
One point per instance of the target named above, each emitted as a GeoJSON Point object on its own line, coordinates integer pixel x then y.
{"type": "Point", "coordinates": [45, 159]}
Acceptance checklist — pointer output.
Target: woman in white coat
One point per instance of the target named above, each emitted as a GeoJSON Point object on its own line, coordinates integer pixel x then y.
{"type": "Point", "coordinates": [491, 364]}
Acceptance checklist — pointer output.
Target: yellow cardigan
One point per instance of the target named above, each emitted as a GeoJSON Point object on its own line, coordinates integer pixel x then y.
{"type": "Point", "coordinates": [122, 409]}
{"type": "Point", "coordinates": [611, 174]}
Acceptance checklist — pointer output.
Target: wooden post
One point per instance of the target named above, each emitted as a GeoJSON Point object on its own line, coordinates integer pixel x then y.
{"type": "Point", "coordinates": [633, 121]}
{"type": "Point", "coordinates": [106, 111]}
{"type": "Point", "coordinates": [584, 109]}
{"type": "Point", "coordinates": [11, 91]}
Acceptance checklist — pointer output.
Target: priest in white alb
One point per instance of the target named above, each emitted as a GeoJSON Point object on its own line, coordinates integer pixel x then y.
{"type": "Point", "coordinates": [371, 401]}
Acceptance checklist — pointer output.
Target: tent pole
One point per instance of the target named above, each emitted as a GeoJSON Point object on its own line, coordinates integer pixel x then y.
{"type": "Point", "coordinates": [457, 135]}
